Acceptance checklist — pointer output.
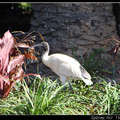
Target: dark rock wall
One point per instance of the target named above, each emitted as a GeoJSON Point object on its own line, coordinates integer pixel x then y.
{"type": "Point", "coordinates": [73, 26]}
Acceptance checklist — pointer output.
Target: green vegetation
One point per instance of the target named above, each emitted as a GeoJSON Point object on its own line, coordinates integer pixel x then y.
{"type": "Point", "coordinates": [25, 6]}
{"type": "Point", "coordinates": [48, 97]}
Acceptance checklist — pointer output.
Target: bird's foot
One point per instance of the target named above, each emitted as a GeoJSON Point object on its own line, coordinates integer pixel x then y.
{"type": "Point", "coordinates": [70, 87]}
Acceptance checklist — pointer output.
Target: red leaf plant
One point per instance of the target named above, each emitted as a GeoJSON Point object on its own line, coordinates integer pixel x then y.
{"type": "Point", "coordinates": [11, 61]}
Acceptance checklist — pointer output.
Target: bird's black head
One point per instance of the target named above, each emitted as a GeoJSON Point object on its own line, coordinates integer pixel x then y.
{"type": "Point", "coordinates": [44, 46]}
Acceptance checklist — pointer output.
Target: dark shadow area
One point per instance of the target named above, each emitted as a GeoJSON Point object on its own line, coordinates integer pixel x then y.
{"type": "Point", "coordinates": [14, 18]}
{"type": "Point", "coordinates": [116, 12]}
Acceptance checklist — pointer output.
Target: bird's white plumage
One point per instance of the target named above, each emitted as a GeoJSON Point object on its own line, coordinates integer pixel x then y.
{"type": "Point", "coordinates": [65, 67]}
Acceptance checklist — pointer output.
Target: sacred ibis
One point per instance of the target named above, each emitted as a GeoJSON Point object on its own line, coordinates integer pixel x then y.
{"type": "Point", "coordinates": [64, 66]}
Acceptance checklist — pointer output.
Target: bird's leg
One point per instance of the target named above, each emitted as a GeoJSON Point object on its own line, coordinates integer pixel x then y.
{"type": "Point", "coordinates": [70, 86]}
{"type": "Point", "coordinates": [63, 80]}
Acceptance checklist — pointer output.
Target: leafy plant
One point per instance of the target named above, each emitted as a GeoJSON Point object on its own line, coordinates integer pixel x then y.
{"type": "Point", "coordinates": [11, 61]}
{"type": "Point", "coordinates": [41, 95]}
{"type": "Point", "coordinates": [25, 6]}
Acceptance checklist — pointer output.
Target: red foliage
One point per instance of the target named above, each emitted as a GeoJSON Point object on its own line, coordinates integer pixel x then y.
{"type": "Point", "coordinates": [11, 61]}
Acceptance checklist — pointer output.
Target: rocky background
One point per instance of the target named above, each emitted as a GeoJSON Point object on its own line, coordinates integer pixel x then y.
{"type": "Point", "coordinates": [77, 27]}
{"type": "Point", "coordinates": [73, 25]}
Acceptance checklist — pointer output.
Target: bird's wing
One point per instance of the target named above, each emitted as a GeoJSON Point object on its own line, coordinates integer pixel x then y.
{"type": "Point", "coordinates": [63, 65]}
{"type": "Point", "coordinates": [67, 66]}
{"type": "Point", "coordinates": [69, 70]}
{"type": "Point", "coordinates": [73, 70]}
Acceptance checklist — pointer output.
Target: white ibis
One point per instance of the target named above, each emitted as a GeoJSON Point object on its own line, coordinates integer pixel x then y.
{"type": "Point", "coordinates": [64, 66]}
